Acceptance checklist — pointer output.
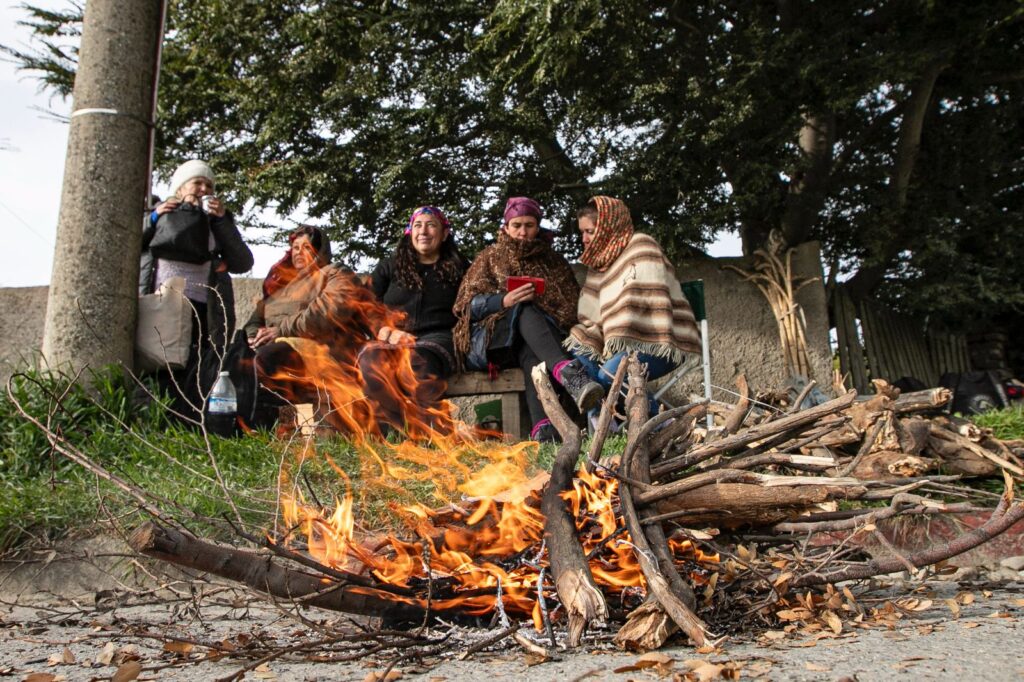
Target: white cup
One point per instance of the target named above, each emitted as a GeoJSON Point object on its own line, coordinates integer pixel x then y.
{"type": "Point", "coordinates": [205, 202]}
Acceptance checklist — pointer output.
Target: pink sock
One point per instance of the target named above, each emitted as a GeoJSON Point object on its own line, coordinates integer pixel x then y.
{"type": "Point", "coordinates": [537, 426]}
{"type": "Point", "coordinates": [557, 370]}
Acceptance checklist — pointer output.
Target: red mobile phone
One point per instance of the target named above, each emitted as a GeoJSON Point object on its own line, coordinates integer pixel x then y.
{"type": "Point", "coordinates": [516, 282]}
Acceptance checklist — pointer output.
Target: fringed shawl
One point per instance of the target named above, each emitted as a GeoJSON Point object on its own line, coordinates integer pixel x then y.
{"type": "Point", "coordinates": [635, 304]}
{"type": "Point", "coordinates": [515, 257]}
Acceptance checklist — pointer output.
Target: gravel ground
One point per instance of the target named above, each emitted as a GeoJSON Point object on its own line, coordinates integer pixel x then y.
{"type": "Point", "coordinates": [942, 630]}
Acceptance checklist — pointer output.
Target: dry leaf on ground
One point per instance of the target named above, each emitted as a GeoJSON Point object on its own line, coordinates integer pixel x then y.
{"type": "Point", "coordinates": [127, 671]}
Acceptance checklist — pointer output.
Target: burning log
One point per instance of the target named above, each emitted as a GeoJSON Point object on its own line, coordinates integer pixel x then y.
{"type": "Point", "coordinates": [574, 582]}
{"type": "Point", "coordinates": [484, 552]}
{"type": "Point", "coordinates": [262, 573]}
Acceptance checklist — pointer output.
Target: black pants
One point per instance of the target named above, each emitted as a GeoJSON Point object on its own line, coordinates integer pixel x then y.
{"type": "Point", "coordinates": [408, 403]}
{"type": "Point", "coordinates": [284, 377]}
{"type": "Point", "coordinates": [539, 340]}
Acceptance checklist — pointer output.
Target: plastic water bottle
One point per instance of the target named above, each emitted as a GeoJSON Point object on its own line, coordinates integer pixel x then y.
{"type": "Point", "coordinates": [222, 407]}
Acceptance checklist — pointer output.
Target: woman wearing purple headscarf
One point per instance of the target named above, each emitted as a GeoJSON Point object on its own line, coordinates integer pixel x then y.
{"type": "Point", "coordinates": [502, 324]}
{"type": "Point", "coordinates": [420, 279]}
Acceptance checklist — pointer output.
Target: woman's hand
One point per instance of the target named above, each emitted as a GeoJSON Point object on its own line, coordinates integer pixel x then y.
{"type": "Point", "coordinates": [215, 207]}
{"type": "Point", "coordinates": [521, 295]}
{"type": "Point", "coordinates": [264, 336]}
{"type": "Point", "coordinates": [396, 337]}
{"type": "Point", "coordinates": [167, 206]}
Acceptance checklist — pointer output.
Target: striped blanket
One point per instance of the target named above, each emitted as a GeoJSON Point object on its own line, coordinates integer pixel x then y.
{"type": "Point", "coordinates": [635, 304]}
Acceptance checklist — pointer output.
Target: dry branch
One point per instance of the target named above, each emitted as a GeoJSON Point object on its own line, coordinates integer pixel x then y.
{"type": "Point", "coordinates": [657, 583]}
{"type": "Point", "coordinates": [732, 505]}
{"type": "Point", "coordinates": [735, 418]}
{"type": "Point", "coordinates": [574, 583]}
{"type": "Point", "coordinates": [604, 421]}
{"type": "Point", "coordinates": [922, 401]}
{"type": "Point", "coordinates": [1005, 515]}
{"type": "Point", "coordinates": [788, 424]}
{"type": "Point", "coordinates": [261, 572]}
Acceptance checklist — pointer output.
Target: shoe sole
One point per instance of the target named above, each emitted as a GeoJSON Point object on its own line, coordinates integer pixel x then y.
{"type": "Point", "coordinates": [590, 398]}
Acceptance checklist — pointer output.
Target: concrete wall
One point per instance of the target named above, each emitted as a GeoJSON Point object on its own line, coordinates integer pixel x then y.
{"type": "Point", "coordinates": [22, 316]}
{"type": "Point", "coordinates": [742, 328]}
{"type": "Point", "coordinates": [743, 332]}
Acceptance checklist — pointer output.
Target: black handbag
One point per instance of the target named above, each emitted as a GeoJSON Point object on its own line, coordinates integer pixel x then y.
{"type": "Point", "coordinates": [182, 235]}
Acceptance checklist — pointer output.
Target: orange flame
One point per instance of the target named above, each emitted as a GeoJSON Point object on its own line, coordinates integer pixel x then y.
{"type": "Point", "coordinates": [490, 534]}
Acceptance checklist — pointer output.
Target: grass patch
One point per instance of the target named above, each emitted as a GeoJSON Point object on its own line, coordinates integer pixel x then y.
{"type": "Point", "coordinates": [1006, 424]}
{"type": "Point", "coordinates": [46, 496]}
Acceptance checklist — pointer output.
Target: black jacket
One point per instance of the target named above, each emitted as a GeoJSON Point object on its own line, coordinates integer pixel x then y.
{"type": "Point", "coordinates": [428, 309]}
{"type": "Point", "coordinates": [231, 249]}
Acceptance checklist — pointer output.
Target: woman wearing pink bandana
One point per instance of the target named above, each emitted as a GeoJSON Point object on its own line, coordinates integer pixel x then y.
{"type": "Point", "coordinates": [421, 279]}
{"type": "Point", "coordinates": [502, 326]}
{"type": "Point", "coordinates": [631, 299]}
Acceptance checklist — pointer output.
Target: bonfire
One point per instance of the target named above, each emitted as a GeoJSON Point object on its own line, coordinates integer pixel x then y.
{"type": "Point", "coordinates": [703, 532]}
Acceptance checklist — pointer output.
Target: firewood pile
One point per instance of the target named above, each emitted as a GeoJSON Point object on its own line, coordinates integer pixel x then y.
{"type": "Point", "coordinates": [719, 524]}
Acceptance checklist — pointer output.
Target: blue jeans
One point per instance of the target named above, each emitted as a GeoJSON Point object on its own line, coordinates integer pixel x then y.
{"type": "Point", "coordinates": [603, 374]}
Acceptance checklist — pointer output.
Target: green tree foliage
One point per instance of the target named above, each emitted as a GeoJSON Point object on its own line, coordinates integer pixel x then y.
{"type": "Point", "coordinates": [887, 129]}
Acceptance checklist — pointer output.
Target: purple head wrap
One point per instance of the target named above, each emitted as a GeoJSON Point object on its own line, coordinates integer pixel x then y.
{"type": "Point", "coordinates": [520, 206]}
{"type": "Point", "coordinates": [429, 210]}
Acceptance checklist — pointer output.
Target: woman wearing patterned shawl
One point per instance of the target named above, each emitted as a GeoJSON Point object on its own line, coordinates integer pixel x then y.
{"type": "Point", "coordinates": [421, 280]}
{"type": "Point", "coordinates": [522, 327]}
{"type": "Point", "coordinates": [631, 299]}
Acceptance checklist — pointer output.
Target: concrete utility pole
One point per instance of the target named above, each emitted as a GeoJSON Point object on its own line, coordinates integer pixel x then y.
{"type": "Point", "coordinates": [93, 298]}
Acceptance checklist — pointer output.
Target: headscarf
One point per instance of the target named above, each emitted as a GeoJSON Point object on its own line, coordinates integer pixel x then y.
{"type": "Point", "coordinates": [429, 210]}
{"type": "Point", "coordinates": [283, 271]}
{"type": "Point", "coordinates": [614, 230]}
{"type": "Point", "coordinates": [517, 207]}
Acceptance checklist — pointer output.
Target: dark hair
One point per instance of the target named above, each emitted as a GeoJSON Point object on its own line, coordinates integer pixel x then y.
{"type": "Point", "coordinates": [588, 211]}
{"type": "Point", "coordinates": [450, 266]}
{"type": "Point", "coordinates": [316, 240]}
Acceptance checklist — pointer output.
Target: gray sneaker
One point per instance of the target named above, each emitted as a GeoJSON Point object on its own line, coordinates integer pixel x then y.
{"type": "Point", "coordinates": [587, 393]}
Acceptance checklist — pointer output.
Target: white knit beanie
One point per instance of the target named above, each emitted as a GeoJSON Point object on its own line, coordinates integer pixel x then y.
{"type": "Point", "coordinates": [188, 170]}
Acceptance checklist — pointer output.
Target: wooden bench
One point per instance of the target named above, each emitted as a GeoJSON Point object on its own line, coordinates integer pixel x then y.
{"type": "Point", "coordinates": [509, 385]}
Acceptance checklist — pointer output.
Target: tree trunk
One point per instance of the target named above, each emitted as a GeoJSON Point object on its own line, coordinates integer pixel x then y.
{"type": "Point", "coordinates": [808, 190]}
{"type": "Point", "coordinates": [90, 313]}
{"type": "Point", "coordinates": [869, 275]}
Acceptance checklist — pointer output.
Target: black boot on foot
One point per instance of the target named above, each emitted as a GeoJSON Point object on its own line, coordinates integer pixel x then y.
{"type": "Point", "coordinates": [587, 393]}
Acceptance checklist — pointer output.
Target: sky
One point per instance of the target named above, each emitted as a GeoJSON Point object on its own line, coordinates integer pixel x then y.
{"type": "Point", "coordinates": [32, 150]}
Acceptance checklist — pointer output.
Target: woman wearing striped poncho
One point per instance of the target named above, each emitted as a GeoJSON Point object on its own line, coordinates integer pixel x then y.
{"type": "Point", "coordinates": [631, 299]}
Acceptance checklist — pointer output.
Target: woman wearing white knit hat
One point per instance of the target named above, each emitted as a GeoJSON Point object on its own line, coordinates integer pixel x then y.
{"type": "Point", "coordinates": [215, 249]}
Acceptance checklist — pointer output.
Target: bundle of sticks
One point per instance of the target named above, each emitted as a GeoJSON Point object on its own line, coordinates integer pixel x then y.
{"type": "Point", "coordinates": [783, 475]}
